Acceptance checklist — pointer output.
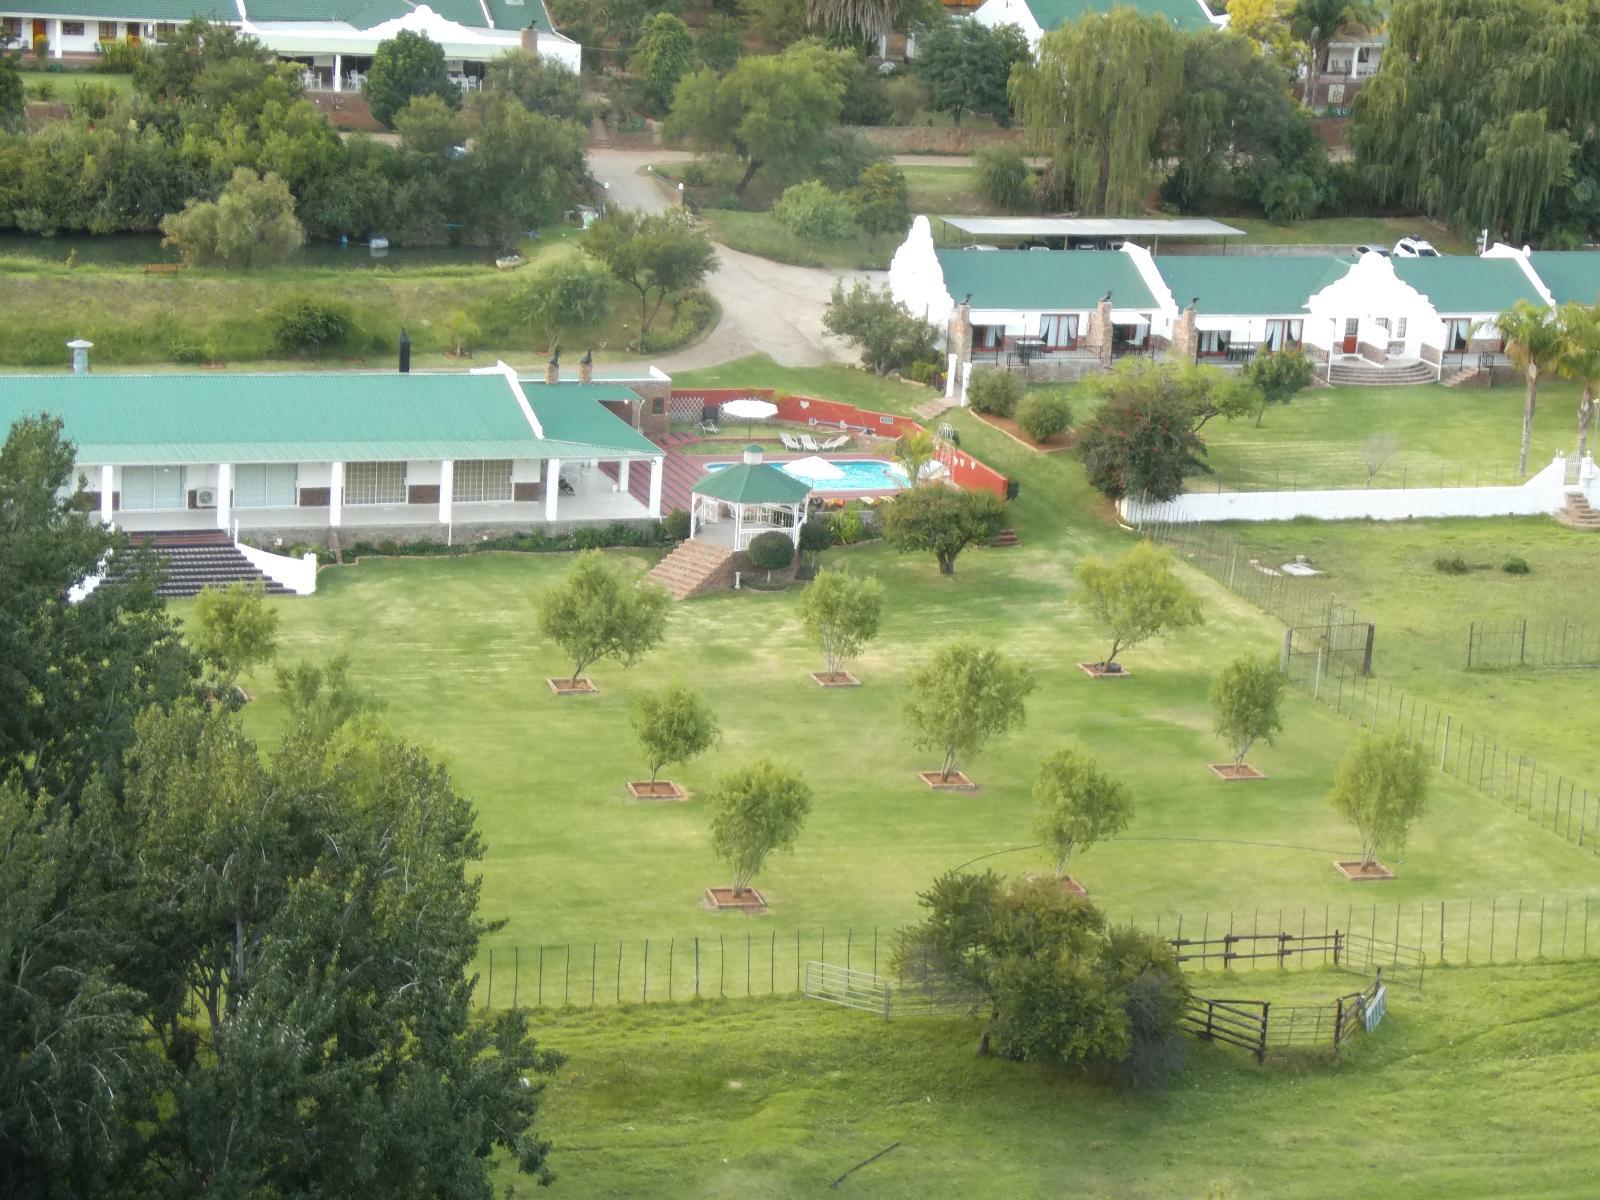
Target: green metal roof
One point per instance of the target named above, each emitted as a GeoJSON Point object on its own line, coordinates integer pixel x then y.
{"type": "Point", "coordinates": [362, 14]}
{"type": "Point", "coordinates": [327, 417]}
{"type": "Point", "coordinates": [1043, 280]}
{"type": "Point", "coordinates": [1459, 284]}
{"type": "Point", "coordinates": [1571, 275]}
{"type": "Point", "coordinates": [753, 483]}
{"type": "Point", "coordinates": [1186, 15]}
{"type": "Point", "coordinates": [576, 425]}
{"type": "Point", "coordinates": [176, 11]}
{"type": "Point", "coordinates": [520, 14]}
{"type": "Point", "coordinates": [1248, 284]}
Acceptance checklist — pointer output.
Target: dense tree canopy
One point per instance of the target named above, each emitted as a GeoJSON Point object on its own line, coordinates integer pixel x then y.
{"type": "Point", "coordinates": [405, 66]}
{"type": "Point", "coordinates": [965, 67]}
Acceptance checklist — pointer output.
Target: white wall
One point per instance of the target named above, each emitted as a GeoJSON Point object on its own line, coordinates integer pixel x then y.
{"type": "Point", "coordinates": [916, 279]}
{"type": "Point", "coordinates": [299, 575]}
{"type": "Point", "coordinates": [995, 13]}
{"type": "Point", "coordinates": [1544, 493]}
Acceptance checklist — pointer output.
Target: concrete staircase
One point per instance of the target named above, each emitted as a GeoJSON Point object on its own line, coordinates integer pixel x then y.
{"type": "Point", "coordinates": [695, 568]}
{"type": "Point", "coordinates": [1463, 377]}
{"type": "Point", "coordinates": [1365, 374]}
{"type": "Point", "coordinates": [1578, 514]}
{"type": "Point", "coordinates": [203, 558]}
{"type": "Point", "coordinates": [1004, 539]}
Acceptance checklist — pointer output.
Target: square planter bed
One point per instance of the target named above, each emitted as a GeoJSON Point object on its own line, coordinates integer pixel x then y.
{"type": "Point", "coordinates": [566, 687]}
{"type": "Point", "coordinates": [1235, 774]}
{"type": "Point", "coordinates": [661, 789]}
{"type": "Point", "coordinates": [748, 900]}
{"type": "Point", "coordinates": [1098, 671]}
{"type": "Point", "coordinates": [1353, 872]}
{"type": "Point", "coordinates": [958, 781]}
{"type": "Point", "coordinates": [839, 679]}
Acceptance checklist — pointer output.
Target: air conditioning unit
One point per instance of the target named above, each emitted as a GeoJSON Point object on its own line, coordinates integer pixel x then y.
{"type": "Point", "coordinates": [205, 498]}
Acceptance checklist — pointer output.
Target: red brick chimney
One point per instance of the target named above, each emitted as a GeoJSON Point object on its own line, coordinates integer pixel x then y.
{"type": "Point", "coordinates": [586, 368]}
{"type": "Point", "coordinates": [530, 41]}
{"type": "Point", "coordinates": [552, 369]}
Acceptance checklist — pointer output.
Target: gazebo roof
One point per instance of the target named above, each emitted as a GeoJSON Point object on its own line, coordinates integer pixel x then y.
{"type": "Point", "coordinates": [753, 483]}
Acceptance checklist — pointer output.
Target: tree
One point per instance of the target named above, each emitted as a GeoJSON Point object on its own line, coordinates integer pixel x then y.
{"type": "Point", "coordinates": [13, 101]}
{"type": "Point", "coordinates": [196, 52]}
{"type": "Point", "coordinates": [1135, 597]}
{"type": "Point", "coordinates": [881, 202]}
{"type": "Point", "coordinates": [524, 171]}
{"type": "Point", "coordinates": [597, 612]}
{"type": "Point", "coordinates": [842, 613]}
{"type": "Point", "coordinates": [1376, 450]}
{"type": "Point", "coordinates": [865, 19]}
{"type": "Point", "coordinates": [565, 295]}
{"type": "Point", "coordinates": [962, 697]}
{"type": "Point", "coordinates": [252, 224]}
{"type": "Point", "coordinates": [1534, 340]}
{"type": "Point", "coordinates": [234, 630]}
{"type": "Point", "coordinates": [965, 66]}
{"type": "Point", "coordinates": [406, 65]}
{"type": "Point", "coordinates": [1095, 101]}
{"type": "Point", "coordinates": [755, 811]}
{"type": "Point", "coordinates": [721, 42]}
{"type": "Point", "coordinates": [1055, 982]}
{"type": "Point", "coordinates": [73, 676]}
{"type": "Point", "coordinates": [943, 520]}
{"type": "Point", "coordinates": [995, 392]}
{"type": "Point", "coordinates": [1316, 21]}
{"type": "Point", "coordinates": [663, 55]}
{"type": "Point", "coordinates": [1579, 362]}
{"type": "Point", "coordinates": [656, 255]}
{"type": "Point", "coordinates": [1076, 804]}
{"type": "Point", "coordinates": [1380, 788]}
{"type": "Point", "coordinates": [543, 85]}
{"type": "Point", "coordinates": [672, 726]}
{"type": "Point", "coordinates": [813, 212]}
{"type": "Point", "coordinates": [769, 111]}
{"type": "Point", "coordinates": [1278, 376]}
{"type": "Point", "coordinates": [1043, 415]}
{"type": "Point", "coordinates": [430, 128]}
{"type": "Point", "coordinates": [891, 337]}
{"type": "Point", "coordinates": [914, 452]}
{"type": "Point", "coordinates": [1003, 177]}
{"type": "Point", "coordinates": [1245, 697]}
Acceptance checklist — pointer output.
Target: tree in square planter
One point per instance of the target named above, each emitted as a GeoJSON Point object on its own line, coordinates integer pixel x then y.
{"type": "Point", "coordinates": [1246, 699]}
{"type": "Point", "coordinates": [1381, 788]}
{"type": "Point", "coordinates": [1076, 804]}
{"type": "Point", "coordinates": [1133, 598]}
{"type": "Point", "coordinates": [598, 612]}
{"type": "Point", "coordinates": [672, 726]}
{"type": "Point", "coordinates": [965, 695]}
{"type": "Point", "coordinates": [754, 811]}
{"type": "Point", "coordinates": [841, 613]}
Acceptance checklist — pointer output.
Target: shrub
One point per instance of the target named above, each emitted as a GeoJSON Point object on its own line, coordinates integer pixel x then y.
{"type": "Point", "coordinates": [309, 326]}
{"type": "Point", "coordinates": [1516, 565]}
{"type": "Point", "coordinates": [676, 525]}
{"type": "Point", "coordinates": [846, 527]}
{"type": "Point", "coordinates": [1003, 177]}
{"type": "Point", "coordinates": [44, 90]}
{"type": "Point", "coordinates": [1043, 415]}
{"type": "Point", "coordinates": [926, 371]}
{"type": "Point", "coordinates": [994, 392]}
{"type": "Point", "coordinates": [251, 224]}
{"type": "Point", "coordinates": [811, 211]}
{"type": "Point", "coordinates": [769, 552]}
{"type": "Point", "coordinates": [1451, 565]}
{"type": "Point", "coordinates": [119, 58]}
{"type": "Point", "coordinates": [93, 100]}
{"type": "Point", "coordinates": [891, 337]}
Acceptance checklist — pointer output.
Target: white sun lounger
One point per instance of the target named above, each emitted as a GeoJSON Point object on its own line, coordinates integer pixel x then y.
{"type": "Point", "coordinates": [789, 442]}
{"type": "Point", "coordinates": [834, 443]}
{"type": "Point", "coordinates": [808, 443]}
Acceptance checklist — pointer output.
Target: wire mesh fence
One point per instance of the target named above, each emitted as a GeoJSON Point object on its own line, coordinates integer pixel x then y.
{"type": "Point", "coordinates": [1353, 472]}
{"type": "Point", "coordinates": [1398, 936]}
{"type": "Point", "coordinates": [1518, 642]}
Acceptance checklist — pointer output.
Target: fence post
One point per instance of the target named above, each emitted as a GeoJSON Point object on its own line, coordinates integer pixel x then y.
{"type": "Point", "coordinates": [1261, 1046]}
{"type": "Point", "coordinates": [888, 989]}
{"type": "Point", "coordinates": [516, 973]}
{"type": "Point", "coordinates": [1472, 628]}
{"type": "Point", "coordinates": [619, 972]}
{"type": "Point", "coordinates": [489, 999]}
{"type": "Point", "coordinates": [1522, 644]}
{"type": "Point", "coordinates": [697, 964]}
{"type": "Point", "coordinates": [644, 993]}
{"type": "Point", "coordinates": [1444, 753]}
{"type": "Point", "coordinates": [541, 976]}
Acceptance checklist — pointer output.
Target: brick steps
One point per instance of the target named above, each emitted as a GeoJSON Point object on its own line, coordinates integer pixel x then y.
{"type": "Point", "coordinates": [694, 568]}
{"type": "Point", "coordinates": [1005, 538]}
{"type": "Point", "coordinates": [1578, 514]}
{"type": "Point", "coordinates": [200, 559]}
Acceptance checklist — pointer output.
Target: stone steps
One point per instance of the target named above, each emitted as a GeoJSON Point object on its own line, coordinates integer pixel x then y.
{"type": "Point", "coordinates": [200, 559]}
{"type": "Point", "coordinates": [1578, 514]}
{"type": "Point", "coordinates": [694, 568]}
{"type": "Point", "coordinates": [1005, 538]}
{"type": "Point", "coordinates": [1368, 375]}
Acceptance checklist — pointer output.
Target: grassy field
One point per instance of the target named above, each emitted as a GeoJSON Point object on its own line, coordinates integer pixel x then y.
{"type": "Point", "coordinates": [63, 85]}
{"type": "Point", "coordinates": [1483, 1087]}
{"type": "Point", "coordinates": [1352, 231]}
{"type": "Point", "coordinates": [758, 233]}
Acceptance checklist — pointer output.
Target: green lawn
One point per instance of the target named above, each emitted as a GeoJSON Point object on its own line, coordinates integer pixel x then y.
{"type": "Point", "coordinates": [1352, 231]}
{"type": "Point", "coordinates": [1483, 1087]}
{"type": "Point", "coordinates": [63, 85]}
{"type": "Point", "coordinates": [451, 648]}
{"type": "Point", "coordinates": [758, 233]}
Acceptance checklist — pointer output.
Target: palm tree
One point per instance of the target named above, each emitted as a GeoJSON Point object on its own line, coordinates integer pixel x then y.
{"type": "Point", "coordinates": [1534, 341]}
{"type": "Point", "coordinates": [1580, 362]}
{"type": "Point", "coordinates": [914, 451]}
{"type": "Point", "coordinates": [870, 19]}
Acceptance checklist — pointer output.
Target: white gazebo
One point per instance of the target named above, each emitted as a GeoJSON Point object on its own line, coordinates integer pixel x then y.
{"type": "Point", "coordinates": [737, 504]}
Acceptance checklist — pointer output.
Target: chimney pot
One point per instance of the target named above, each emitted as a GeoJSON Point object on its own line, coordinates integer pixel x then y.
{"type": "Point", "coordinates": [586, 368]}
{"type": "Point", "coordinates": [80, 355]}
{"type": "Point", "coordinates": [405, 353]}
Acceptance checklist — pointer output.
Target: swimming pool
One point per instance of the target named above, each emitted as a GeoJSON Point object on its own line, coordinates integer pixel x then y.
{"type": "Point", "coordinates": [860, 475]}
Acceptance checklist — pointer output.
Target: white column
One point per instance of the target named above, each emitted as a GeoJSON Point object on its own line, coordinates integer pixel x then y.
{"type": "Point", "coordinates": [552, 487]}
{"type": "Point", "coordinates": [694, 515]}
{"type": "Point", "coordinates": [108, 486]}
{"type": "Point", "coordinates": [951, 378]}
{"type": "Point", "coordinates": [622, 475]}
{"type": "Point", "coordinates": [53, 32]}
{"type": "Point", "coordinates": [224, 494]}
{"type": "Point", "coordinates": [338, 72]}
{"type": "Point", "coordinates": [966, 382]}
{"type": "Point", "coordinates": [655, 487]}
{"type": "Point", "coordinates": [447, 489]}
{"type": "Point", "coordinates": [335, 494]}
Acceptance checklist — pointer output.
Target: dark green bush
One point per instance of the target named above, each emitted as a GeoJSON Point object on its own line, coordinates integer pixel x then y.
{"type": "Point", "coordinates": [926, 371]}
{"type": "Point", "coordinates": [307, 326]}
{"type": "Point", "coordinates": [1516, 565]}
{"type": "Point", "coordinates": [1043, 415]}
{"type": "Point", "coordinates": [994, 392]}
{"type": "Point", "coordinates": [1451, 565]}
{"type": "Point", "coordinates": [676, 525]}
{"type": "Point", "coordinates": [770, 551]}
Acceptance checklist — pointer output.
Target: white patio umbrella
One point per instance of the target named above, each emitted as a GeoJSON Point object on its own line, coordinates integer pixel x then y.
{"type": "Point", "coordinates": [813, 468]}
{"type": "Point", "coordinates": [749, 410]}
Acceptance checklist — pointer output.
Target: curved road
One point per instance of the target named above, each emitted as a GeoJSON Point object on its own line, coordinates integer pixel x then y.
{"type": "Point", "coordinates": [767, 307]}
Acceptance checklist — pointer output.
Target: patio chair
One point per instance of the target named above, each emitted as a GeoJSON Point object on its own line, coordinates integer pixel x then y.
{"type": "Point", "coordinates": [835, 443]}
{"type": "Point", "coordinates": [809, 444]}
{"type": "Point", "coordinates": [565, 488]}
{"type": "Point", "coordinates": [790, 442]}
{"type": "Point", "coordinates": [709, 426]}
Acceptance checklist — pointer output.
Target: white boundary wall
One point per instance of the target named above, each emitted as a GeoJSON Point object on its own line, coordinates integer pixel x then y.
{"type": "Point", "coordinates": [299, 575]}
{"type": "Point", "coordinates": [1546, 492]}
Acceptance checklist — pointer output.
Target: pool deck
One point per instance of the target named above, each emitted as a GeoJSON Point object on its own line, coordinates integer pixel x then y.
{"type": "Point", "coordinates": [682, 471]}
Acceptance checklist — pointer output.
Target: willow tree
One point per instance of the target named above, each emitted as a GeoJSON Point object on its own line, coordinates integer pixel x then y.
{"type": "Point", "coordinates": [1534, 341]}
{"type": "Point", "coordinates": [1579, 361]}
{"type": "Point", "coordinates": [1096, 100]}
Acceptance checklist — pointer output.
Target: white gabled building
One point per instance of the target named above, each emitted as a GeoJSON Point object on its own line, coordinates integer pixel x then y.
{"type": "Point", "coordinates": [1038, 17]}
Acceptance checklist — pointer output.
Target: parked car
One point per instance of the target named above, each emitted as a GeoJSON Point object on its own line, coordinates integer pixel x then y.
{"type": "Point", "coordinates": [1383, 250]}
{"type": "Point", "coordinates": [1415, 247]}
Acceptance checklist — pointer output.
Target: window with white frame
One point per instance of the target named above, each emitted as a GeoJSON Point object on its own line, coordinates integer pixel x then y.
{"type": "Point", "coordinates": [72, 28]}
{"type": "Point", "coordinates": [482, 479]}
{"type": "Point", "coordinates": [1400, 329]}
{"type": "Point", "coordinates": [1212, 341]}
{"type": "Point", "coordinates": [1059, 331]}
{"type": "Point", "coordinates": [375, 483]}
{"type": "Point", "coordinates": [108, 31]}
{"type": "Point", "coordinates": [1284, 334]}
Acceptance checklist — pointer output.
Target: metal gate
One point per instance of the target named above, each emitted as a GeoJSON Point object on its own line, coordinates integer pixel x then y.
{"type": "Point", "coordinates": [874, 993]}
{"type": "Point", "coordinates": [1404, 966]}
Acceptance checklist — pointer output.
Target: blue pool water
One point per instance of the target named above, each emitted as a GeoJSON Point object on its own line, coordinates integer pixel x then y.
{"type": "Point", "coordinates": [860, 475]}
